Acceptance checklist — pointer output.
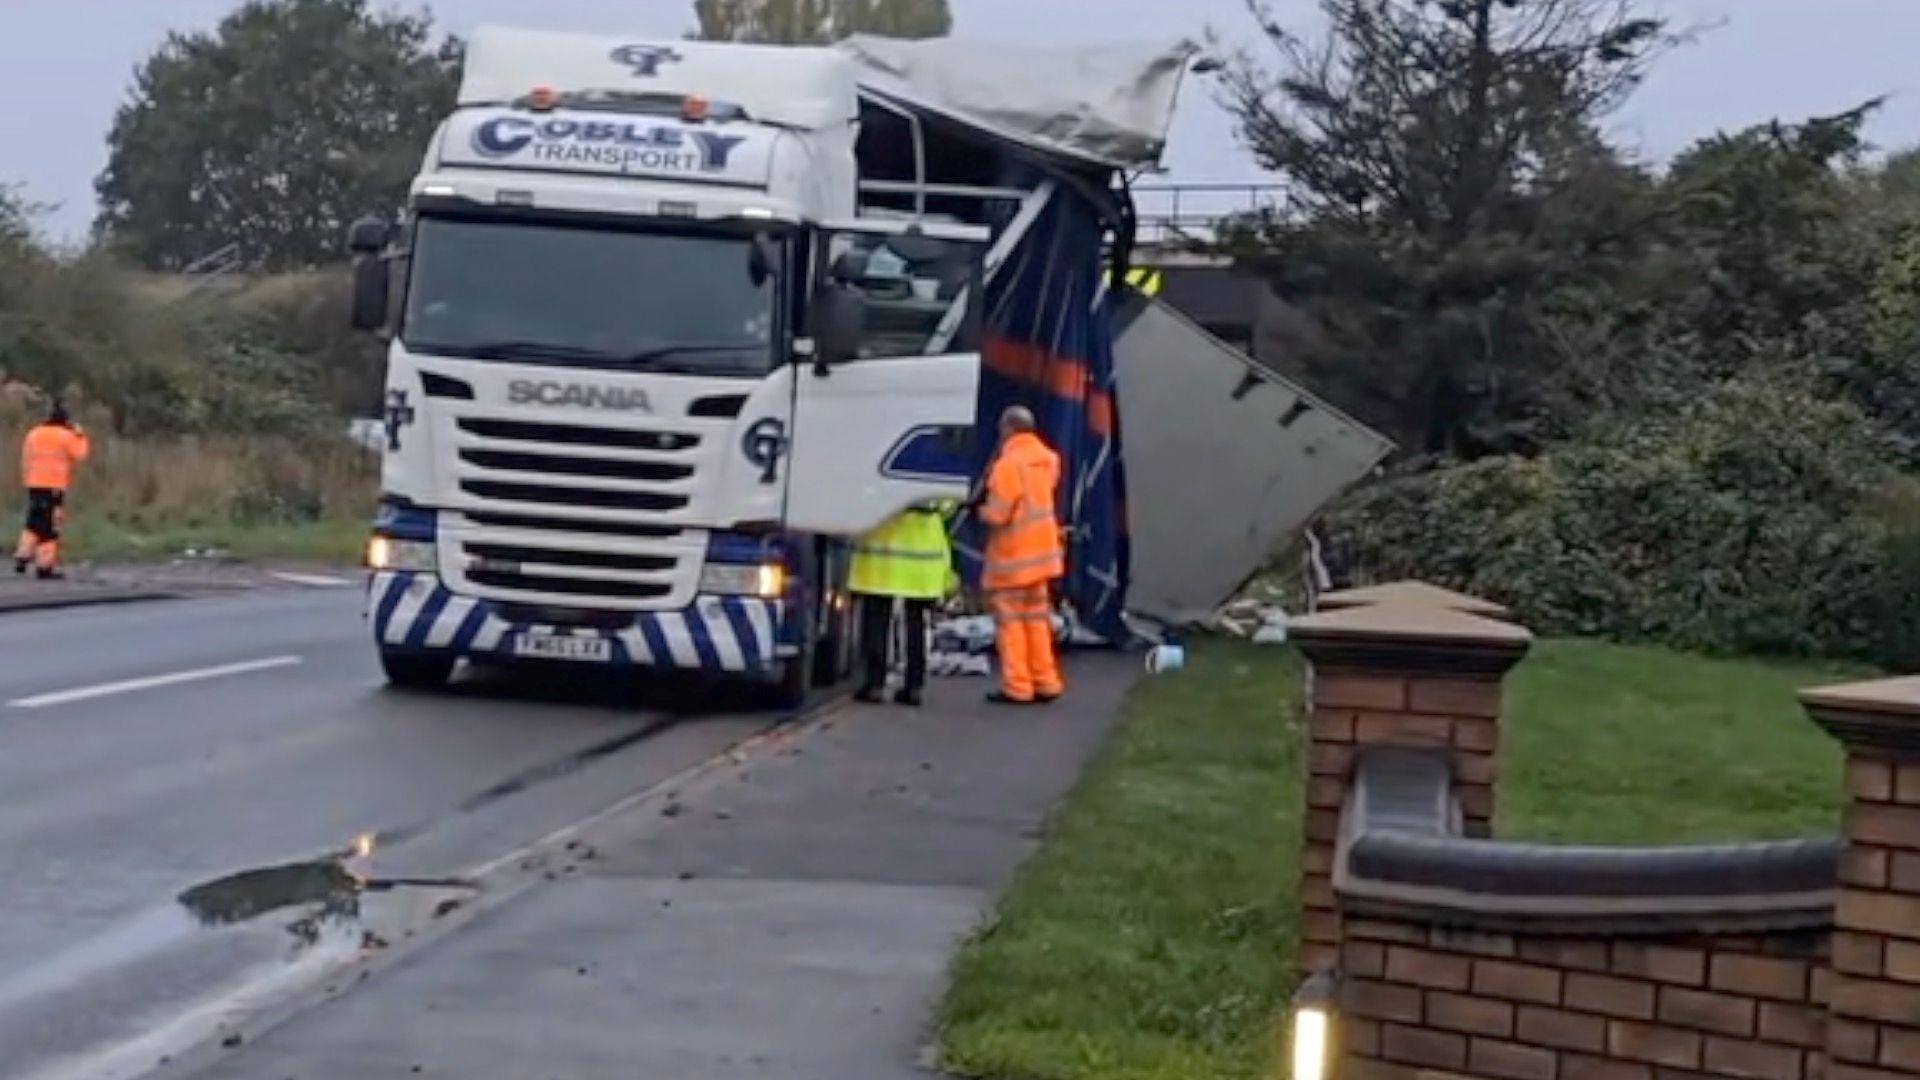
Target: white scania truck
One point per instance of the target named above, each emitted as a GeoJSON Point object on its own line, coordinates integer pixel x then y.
{"type": "Point", "coordinates": [624, 422]}
{"type": "Point", "coordinates": [671, 322]}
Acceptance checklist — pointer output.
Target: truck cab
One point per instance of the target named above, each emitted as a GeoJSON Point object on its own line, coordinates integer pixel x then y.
{"type": "Point", "coordinates": [648, 374]}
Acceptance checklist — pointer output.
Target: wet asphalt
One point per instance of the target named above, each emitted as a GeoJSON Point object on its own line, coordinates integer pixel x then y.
{"type": "Point", "coordinates": [157, 829]}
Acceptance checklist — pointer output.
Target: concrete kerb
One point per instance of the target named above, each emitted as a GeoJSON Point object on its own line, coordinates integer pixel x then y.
{"type": "Point", "coordinates": [57, 597]}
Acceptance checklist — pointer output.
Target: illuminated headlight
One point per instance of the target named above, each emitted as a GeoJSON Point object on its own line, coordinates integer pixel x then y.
{"type": "Point", "coordinates": [765, 580]}
{"type": "Point", "coordinates": [386, 553]}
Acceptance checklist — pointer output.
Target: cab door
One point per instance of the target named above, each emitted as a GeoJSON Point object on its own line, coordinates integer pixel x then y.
{"type": "Point", "coordinates": [883, 414]}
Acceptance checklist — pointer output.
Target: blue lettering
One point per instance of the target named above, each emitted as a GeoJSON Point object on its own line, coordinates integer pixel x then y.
{"type": "Point", "coordinates": [559, 129]}
{"type": "Point", "coordinates": [507, 135]}
{"type": "Point", "coordinates": [598, 132]}
{"type": "Point", "coordinates": [715, 149]}
{"type": "Point", "coordinates": [665, 136]}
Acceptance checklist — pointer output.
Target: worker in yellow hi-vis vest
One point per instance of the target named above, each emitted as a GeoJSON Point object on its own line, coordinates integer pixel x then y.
{"type": "Point", "coordinates": [907, 559]}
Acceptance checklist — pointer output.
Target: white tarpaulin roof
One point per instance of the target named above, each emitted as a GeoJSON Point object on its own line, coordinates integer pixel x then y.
{"type": "Point", "coordinates": [810, 88]}
{"type": "Point", "coordinates": [1108, 105]}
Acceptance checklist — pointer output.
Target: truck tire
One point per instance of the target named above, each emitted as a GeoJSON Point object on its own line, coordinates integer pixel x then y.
{"type": "Point", "coordinates": [797, 673]}
{"type": "Point", "coordinates": [796, 677]}
{"type": "Point", "coordinates": [834, 658]}
{"type": "Point", "coordinates": [416, 671]}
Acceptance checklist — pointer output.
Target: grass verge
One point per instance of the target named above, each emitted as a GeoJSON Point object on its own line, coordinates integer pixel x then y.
{"type": "Point", "coordinates": [1151, 936]}
{"type": "Point", "coordinates": [340, 540]}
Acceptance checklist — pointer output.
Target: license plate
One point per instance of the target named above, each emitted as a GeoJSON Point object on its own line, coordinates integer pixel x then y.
{"type": "Point", "coordinates": [591, 650]}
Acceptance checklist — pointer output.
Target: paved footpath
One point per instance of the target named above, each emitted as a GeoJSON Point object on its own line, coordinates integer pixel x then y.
{"type": "Point", "coordinates": [787, 916]}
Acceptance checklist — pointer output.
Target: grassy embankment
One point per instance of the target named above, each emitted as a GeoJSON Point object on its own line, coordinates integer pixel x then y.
{"type": "Point", "coordinates": [154, 497]}
{"type": "Point", "coordinates": [1150, 938]}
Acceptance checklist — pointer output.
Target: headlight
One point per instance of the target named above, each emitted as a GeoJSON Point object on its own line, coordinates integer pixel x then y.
{"type": "Point", "coordinates": [765, 580]}
{"type": "Point", "coordinates": [386, 553]}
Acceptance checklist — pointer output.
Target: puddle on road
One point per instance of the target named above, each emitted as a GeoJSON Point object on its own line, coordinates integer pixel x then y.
{"type": "Point", "coordinates": [326, 886]}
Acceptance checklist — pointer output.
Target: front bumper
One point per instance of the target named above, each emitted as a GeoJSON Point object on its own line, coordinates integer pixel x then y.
{"type": "Point", "coordinates": [725, 634]}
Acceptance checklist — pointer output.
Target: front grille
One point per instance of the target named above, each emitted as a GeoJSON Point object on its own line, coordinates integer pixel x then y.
{"type": "Point", "coordinates": [594, 560]}
{"type": "Point", "coordinates": [571, 496]}
{"type": "Point", "coordinates": [516, 538]}
{"type": "Point", "coordinates": [631, 590]}
{"type": "Point", "coordinates": [570, 465]}
{"type": "Point", "coordinates": [580, 435]}
{"type": "Point", "coordinates": [599, 528]}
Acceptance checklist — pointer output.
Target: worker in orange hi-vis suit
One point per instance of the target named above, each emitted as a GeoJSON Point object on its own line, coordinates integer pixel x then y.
{"type": "Point", "coordinates": [47, 459]}
{"type": "Point", "coordinates": [1024, 556]}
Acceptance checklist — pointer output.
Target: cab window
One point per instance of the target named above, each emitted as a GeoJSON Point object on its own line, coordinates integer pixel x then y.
{"type": "Point", "coordinates": [918, 295]}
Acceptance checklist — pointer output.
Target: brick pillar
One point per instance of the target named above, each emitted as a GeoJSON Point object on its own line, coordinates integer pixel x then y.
{"type": "Point", "coordinates": [1394, 673]}
{"type": "Point", "coordinates": [1873, 1008]}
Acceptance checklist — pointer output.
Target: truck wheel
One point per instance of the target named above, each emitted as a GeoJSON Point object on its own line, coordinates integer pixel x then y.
{"type": "Point", "coordinates": [797, 671]}
{"type": "Point", "coordinates": [833, 659]}
{"type": "Point", "coordinates": [798, 675]}
{"type": "Point", "coordinates": [416, 671]}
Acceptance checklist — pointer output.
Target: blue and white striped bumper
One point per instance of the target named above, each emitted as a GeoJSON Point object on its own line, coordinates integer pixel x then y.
{"type": "Point", "coordinates": [715, 633]}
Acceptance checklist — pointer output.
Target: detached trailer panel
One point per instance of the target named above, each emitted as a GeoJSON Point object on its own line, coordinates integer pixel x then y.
{"type": "Point", "coordinates": [1225, 460]}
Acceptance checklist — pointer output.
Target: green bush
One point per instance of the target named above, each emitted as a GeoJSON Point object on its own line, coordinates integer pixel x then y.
{"type": "Point", "coordinates": [1762, 517]}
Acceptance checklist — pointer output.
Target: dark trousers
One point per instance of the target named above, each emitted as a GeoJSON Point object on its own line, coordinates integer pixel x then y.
{"type": "Point", "coordinates": [876, 619]}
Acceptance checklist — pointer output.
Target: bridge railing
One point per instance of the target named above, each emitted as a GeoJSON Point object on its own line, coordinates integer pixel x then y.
{"type": "Point", "coordinates": [1169, 213]}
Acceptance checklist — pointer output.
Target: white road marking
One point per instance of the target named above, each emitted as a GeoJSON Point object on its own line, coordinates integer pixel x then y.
{"type": "Point", "coordinates": [126, 686]}
{"type": "Point", "coordinates": [318, 581]}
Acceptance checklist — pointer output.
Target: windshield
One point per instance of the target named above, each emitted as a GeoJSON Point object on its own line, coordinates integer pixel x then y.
{"type": "Point", "coordinates": [564, 294]}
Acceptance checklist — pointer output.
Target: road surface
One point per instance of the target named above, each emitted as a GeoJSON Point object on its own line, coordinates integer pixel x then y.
{"type": "Point", "coordinates": [150, 752]}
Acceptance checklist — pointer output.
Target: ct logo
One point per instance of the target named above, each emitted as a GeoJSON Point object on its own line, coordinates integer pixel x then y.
{"type": "Point", "coordinates": [765, 443]}
{"type": "Point", "coordinates": [645, 60]}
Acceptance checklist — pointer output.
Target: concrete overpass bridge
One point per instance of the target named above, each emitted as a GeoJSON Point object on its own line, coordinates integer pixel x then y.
{"type": "Point", "coordinates": [1172, 219]}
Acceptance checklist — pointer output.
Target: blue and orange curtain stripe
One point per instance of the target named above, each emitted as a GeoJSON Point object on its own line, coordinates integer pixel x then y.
{"type": "Point", "coordinates": [1049, 346]}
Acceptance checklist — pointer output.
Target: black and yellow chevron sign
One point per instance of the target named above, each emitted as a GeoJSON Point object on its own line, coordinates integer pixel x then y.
{"type": "Point", "coordinates": [1147, 280]}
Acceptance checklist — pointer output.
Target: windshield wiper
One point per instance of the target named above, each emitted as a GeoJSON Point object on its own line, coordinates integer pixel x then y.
{"type": "Point", "coordinates": [662, 352]}
{"type": "Point", "coordinates": [540, 350]}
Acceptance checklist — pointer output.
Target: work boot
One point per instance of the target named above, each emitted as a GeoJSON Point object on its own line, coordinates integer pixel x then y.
{"type": "Point", "coordinates": [869, 694]}
{"type": "Point", "coordinates": [19, 565]}
{"type": "Point", "coordinates": [51, 575]}
{"type": "Point", "coordinates": [1045, 699]}
{"type": "Point", "coordinates": [1001, 697]}
{"type": "Point", "coordinates": [908, 697]}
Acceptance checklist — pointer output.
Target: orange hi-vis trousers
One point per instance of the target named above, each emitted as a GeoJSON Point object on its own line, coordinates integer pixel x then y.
{"type": "Point", "coordinates": [1023, 630]}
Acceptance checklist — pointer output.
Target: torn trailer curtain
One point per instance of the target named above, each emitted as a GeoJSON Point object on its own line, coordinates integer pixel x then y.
{"type": "Point", "coordinates": [1048, 344]}
{"type": "Point", "coordinates": [1060, 126]}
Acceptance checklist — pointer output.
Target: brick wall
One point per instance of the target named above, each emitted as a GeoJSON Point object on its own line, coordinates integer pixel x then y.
{"type": "Point", "coordinates": [1419, 996]}
{"type": "Point", "coordinates": [1874, 1028]}
{"type": "Point", "coordinates": [1437, 685]}
{"type": "Point", "coordinates": [1415, 996]}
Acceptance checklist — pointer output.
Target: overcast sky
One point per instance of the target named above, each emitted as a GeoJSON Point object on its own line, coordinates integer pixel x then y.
{"type": "Point", "coordinates": [65, 65]}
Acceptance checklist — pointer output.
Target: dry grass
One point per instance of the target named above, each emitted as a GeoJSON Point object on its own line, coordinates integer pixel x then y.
{"type": "Point", "coordinates": [152, 495]}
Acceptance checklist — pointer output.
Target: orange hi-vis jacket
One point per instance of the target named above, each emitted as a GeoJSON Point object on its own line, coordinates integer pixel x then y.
{"type": "Point", "coordinates": [49, 454]}
{"type": "Point", "coordinates": [1023, 547]}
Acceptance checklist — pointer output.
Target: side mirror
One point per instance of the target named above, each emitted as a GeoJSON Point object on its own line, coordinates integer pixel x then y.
{"type": "Point", "coordinates": [368, 236]}
{"type": "Point", "coordinates": [370, 285]}
{"type": "Point", "coordinates": [839, 319]}
{"type": "Point", "coordinates": [763, 260]}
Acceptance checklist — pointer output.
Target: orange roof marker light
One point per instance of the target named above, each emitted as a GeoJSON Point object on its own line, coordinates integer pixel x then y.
{"type": "Point", "coordinates": [695, 108]}
{"type": "Point", "coordinates": [542, 99]}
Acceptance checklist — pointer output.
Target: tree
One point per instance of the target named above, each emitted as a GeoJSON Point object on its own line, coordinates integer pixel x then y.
{"type": "Point", "coordinates": [1446, 177]}
{"type": "Point", "coordinates": [817, 22]}
{"type": "Point", "coordinates": [273, 132]}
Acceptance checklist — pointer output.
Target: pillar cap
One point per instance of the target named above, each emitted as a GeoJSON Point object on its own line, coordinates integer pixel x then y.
{"type": "Point", "coordinates": [1411, 592]}
{"type": "Point", "coordinates": [1878, 715]}
{"type": "Point", "coordinates": [1410, 637]}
